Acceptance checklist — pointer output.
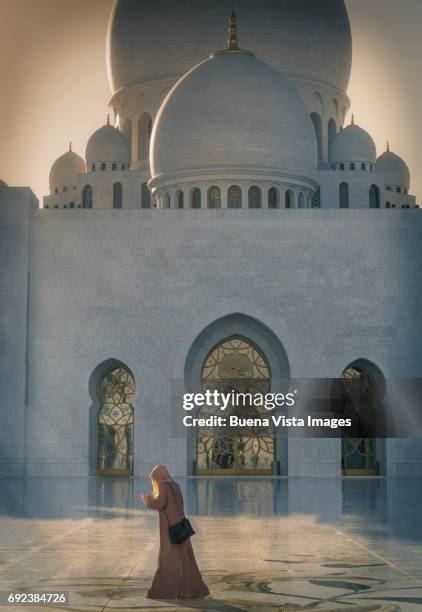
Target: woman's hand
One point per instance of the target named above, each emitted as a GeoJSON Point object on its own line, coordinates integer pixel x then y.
{"type": "Point", "coordinates": [145, 498]}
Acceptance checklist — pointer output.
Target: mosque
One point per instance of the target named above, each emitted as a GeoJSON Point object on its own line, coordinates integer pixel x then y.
{"type": "Point", "coordinates": [224, 229]}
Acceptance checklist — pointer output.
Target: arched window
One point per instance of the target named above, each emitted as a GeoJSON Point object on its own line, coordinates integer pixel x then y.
{"type": "Point", "coordinates": [214, 197]}
{"type": "Point", "coordinates": [387, 205]}
{"type": "Point", "coordinates": [316, 199]}
{"type": "Point", "coordinates": [145, 196]}
{"type": "Point", "coordinates": [144, 134]}
{"type": "Point", "coordinates": [234, 197]}
{"type": "Point", "coordinates": [371, 168]}
{"type": "Point", "coordinates": [398, 189]}
{"type": "Point", "coordinates": [374, 197]}
{"type": "Point", "coordinates": [117, 195]}
{"type": "Point", "coordinates": [332, 131]}
{"type": "Point", "coordinates": [317, 122]}
{"type": "Point", "coordinates": [93, 167]}
{"type": "Point", "coordinates": [288, 199]}
{"type": "Point", "coordinates": [114, 166]}
{"type": "Point", "coordinates": [301, 201]}
{"type": "Point", "coordinates": [273, 198]}
{"type": "Point", "coordinates": [64, 188]}
{"type": "Point", "coordinates": [103, 166]}
{"type": "Point", "coordinates": [341, 166]}
{"type": "Point", "coordinates": [344, 195]}
{"type": "Point", "coordinates": [352, 166]}
{"type": "Point", "coordinates": [72, 205]}
{"type": "Point", "coordinates": [167, 200]}
{"type": "Point", "coordinates": [115, 393]}
{"type": "Point", "coordinates": [180, 200]}
{"type": "Point", "coordinates": [254, 197]}
{"type": "Point", "coordinates": [87, 197]}
{"type": "Point", "coordinates": [363, 166]}
{"type": "Point", "coordinates": [196, 198]}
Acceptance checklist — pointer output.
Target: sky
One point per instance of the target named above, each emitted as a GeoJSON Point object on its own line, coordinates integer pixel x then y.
{"type": "Point", "coordinates": [54, 84]}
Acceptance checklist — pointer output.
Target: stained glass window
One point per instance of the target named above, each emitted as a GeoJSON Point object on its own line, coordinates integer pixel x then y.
{"type": "Point", "coordinates": [288, 199]}
{"type": "Point", "coordinates": [196, 198]}
{"type": "Point", "coordinates": [237, 365]}
{"type": "Point", "coordinates": [145, 196]}
{"type": "Point", "coordinates": [344, 195]}
{"type": "Point", "coordinates": [254, 197]}
{"type": "Point", "coordinates": [115, 392]}
{"type": "Point", "coordinates": [87, 197]}
{"type": "Point", "coordinates": [180, 200]}
{"type": "Point", "coordinates": [117, 195]}
{"type": "Point", "coordinates": [214, 197]}
{"type": "Point", "coordinates": [358, 390]}
{"type": "Point", "coordinates": [234, 197]}
{"type": "Point", "coordinates": [374, 197]}
{"type": "Point", "coordinates": [272, 198]}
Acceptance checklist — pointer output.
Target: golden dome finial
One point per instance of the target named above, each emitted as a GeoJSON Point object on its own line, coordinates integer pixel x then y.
{"type": "Point", "coordinates": [388, 147]}
{"type": "Point", "coordinates": [353, 120]}
{"type": "Point", "coordinates": [232, 40]}
{"type": "Point", "coordinates": [70, 146]}
{"type": "Point", "coordinates": [108, 119]}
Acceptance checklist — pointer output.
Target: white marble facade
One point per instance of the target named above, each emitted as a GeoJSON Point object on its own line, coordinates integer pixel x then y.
{"type": "Point", "coordinates": [118, 277]}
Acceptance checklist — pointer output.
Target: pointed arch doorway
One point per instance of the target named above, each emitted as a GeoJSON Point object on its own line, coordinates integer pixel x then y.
{"type": "Point", "coordinates": [236, 365]}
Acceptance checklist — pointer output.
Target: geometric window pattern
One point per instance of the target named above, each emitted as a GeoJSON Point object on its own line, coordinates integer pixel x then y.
{"type": "Point", "coordinates": [344, 195]}
{"type": "Point", "coordinates": [145, 196]}
{"type": "Point", "coordinates": [117, 195]}
{"type": "Point", "coordinates": [254, 197]}
{"type": "Point", "coordinates": [115, 393]}
{"type": "Point", "coordinates": [236, 364]}
{"type": "Point", "coordinates": [272, 198]}
{"type": "Point", "coordinates": [214, 197]}
{"type": "Point", "coordinates": [234, 197]}
{"type": "Point", "coordinates": [87, 197]}
{"type": "Point", "coordinates": [196, 198]}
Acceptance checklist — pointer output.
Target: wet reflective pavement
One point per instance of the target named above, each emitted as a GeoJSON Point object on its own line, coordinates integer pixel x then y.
{"type": "Point", "coordinates": [261, 544]}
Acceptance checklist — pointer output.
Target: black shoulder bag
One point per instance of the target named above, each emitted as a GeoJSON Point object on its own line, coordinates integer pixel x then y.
{"type": "Point", "coordinates": [180, 532]}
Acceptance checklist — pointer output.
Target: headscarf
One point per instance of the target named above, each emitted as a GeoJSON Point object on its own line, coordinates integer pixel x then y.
{"type": "Point", "coordinates": [161, 474]}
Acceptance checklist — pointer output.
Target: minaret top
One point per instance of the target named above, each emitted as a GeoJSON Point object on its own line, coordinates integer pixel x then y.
{"type": "Point", "coordinates": [388, 147]}
{"type": "Point", "coordinates": [232, 42]}
{"type": "Point", "coordinates": [70, 146]}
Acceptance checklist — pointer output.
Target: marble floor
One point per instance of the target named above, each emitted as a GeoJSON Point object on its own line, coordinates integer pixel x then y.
{"type": "Point", "coordinates": [262, 544]}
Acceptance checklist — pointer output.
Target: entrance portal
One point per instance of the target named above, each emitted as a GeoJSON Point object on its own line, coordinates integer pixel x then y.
{"type": "Point", "coordinates": [236, 365]}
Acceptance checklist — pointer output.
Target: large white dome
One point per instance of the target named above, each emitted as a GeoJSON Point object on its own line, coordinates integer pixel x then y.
{"type": "Point", "coordinates": [65, 170]}
{"type": "Point", "coordinates": [303, 38]}
{"type": "Point", "coordinates": [233, 113]}
{"type": "Point", "coordinates": [394, 169]}
{"type": "Point", "coordinates": [107, 144]}
{"type": "Point", "coordinates": [352, 144]}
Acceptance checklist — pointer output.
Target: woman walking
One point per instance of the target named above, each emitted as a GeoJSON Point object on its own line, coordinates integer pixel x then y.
{"type": "Point", "coordinates": [177, 575]}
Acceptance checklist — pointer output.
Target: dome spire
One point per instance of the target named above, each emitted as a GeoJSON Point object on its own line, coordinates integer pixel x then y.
{"type": "Point", "coordinates": [70, 146]}
{"type": "Point", "coordinates": [388, 147]}
{"type": "Point", "coordinates": [232, 41]}
{"type": "Point", "coordinates": [108, 119]}
{"type": "Point", "coordinates": [353, 119]}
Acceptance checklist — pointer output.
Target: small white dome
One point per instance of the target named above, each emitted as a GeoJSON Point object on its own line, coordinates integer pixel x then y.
{"type": "Point", "coordinates": [65, 170]}
{"type": "Point", "coordinates": [352, 144]}
{"type": "Point", "coordinates": [107, 144]}
{"type": "Point", "coordinates": [233, 113]}
{"type": "Point", "coordinates": [394, 169]}
{"type": "Point", "coordinates": [3, 185]}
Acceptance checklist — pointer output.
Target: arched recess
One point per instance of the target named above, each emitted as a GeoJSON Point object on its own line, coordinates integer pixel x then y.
{"type": "Point", "coordinates": [144, 135]}
{"type": "Point", "coordinates": [234, 197]}
{"type": "Point", "coordinates": [301, 200]}
{"type": "Point", "coordinates": [343, 195]}
{"type": "Point", "coordinates": [111, 423]}
{"type": "Point", "coordinates": [289, 201]}
{"type": "Point", "coordinates": [317, 123]}
{"type": "Point", "coordinates": [273, 198]}
{"type": "Point", "coordinates": [236, 342]}
{"type": "Point", "coordinates": [374, 197]}
{"type": "Point", "coordinates": [331, 132]}
{"type": "Point", "coordinates": [195, 198]}
{"type": "Point", "coordinates": [127, 131]}
{"type": "Point", "coordinates": [359, 395]}
{"type": "Point", "coordinates": [87, 197]}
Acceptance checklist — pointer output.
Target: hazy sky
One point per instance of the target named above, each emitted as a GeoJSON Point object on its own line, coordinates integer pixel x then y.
{"type": "Point", "coordinates": [54, 84]}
